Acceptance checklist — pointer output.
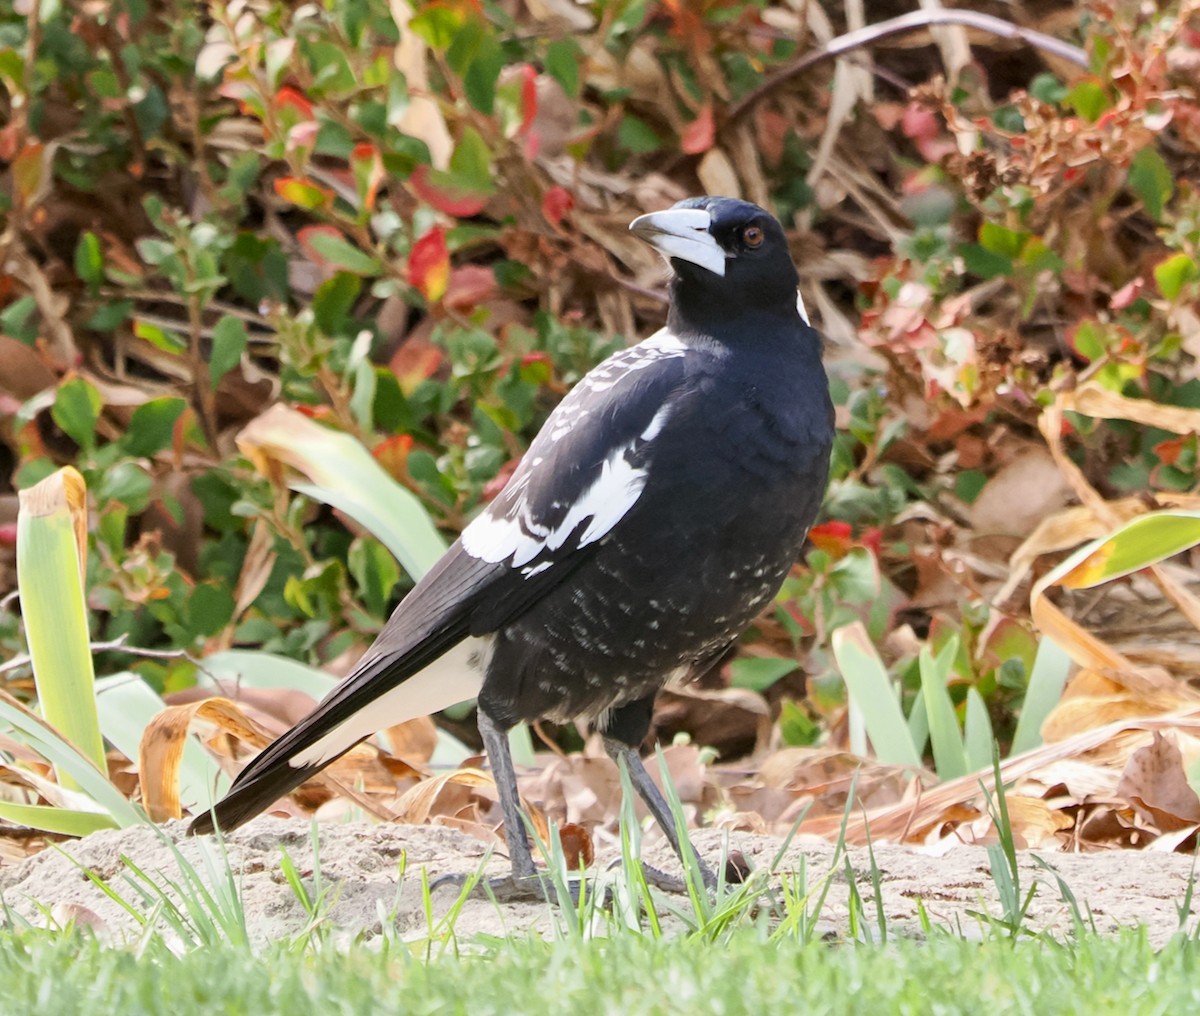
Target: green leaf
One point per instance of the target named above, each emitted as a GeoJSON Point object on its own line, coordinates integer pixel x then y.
{"type": "Point", "coordinates": [1142, 541]}
{"type": "Point", "coordinates": [152, 427]}
{"type": "Point", "coordinates": [1089, 99]}
{"type": "Point", "coordinates": [168, 342]}
{"type": "Point", "coordinates": [949, 755]}
{"type": "Point", "coordinates": [65, 821]}
{"type": "Point", "coordinates": [375, 571]}
{"type": "Point", "coordinates": [126, 483]}
{"type": "Point", "coordinates": [870, 687]}
{"type": "Point", "coordinates": [108, 316]}
{"type": "Point", "coordinates": [344, 255]}
{"type": "Point", "coordinates": [76, 410]}
{"type": "Point", "coordinates": [637, 136]}
{"type": "Point", "coordinates": [471, 162]}
{"type": "Point", "coordinates": [1151, 181]}
{"type": "Point", "coordinates": [563, 60]}
{"type": "Point", "coordinates": [346, 476]}
{"type": "Point", "coordinates": [479, 83]}
{"type": "Point", "coordinates": [67, 760]}
{"type": "Point", "coordinates": [333, 301]}
{"type": "Point", "coordinates": [855, 576]}
{"type": "Point", "coordinates": [51, 524]}
{"type": "Point", "coordinates": [1174, 273]}
{"type": "Point", "coordinates": [758, 673]}
{"type": "Point", "coordinates": [977, 733]}
{"type": "Point", "coordinates": [977, 260]}
{"type": "Point", "coordinates": [89, 262]}
{"type": "Point", "coordinates": [437, 25]}
{"type": "Point", "coordinates": [210, 609]}
{"type": "Point", "coordinates": [1051, 667]}
{"type": "Point", "coordinates": [228, 345]}
{"type": "Point", "coordinates": [1001, 240]}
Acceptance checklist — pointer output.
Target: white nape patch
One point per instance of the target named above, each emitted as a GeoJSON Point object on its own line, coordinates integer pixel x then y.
{"type": "Point", "coordinates": [801, 308]}
{"type": "Point", "coordinates": [453, 677]}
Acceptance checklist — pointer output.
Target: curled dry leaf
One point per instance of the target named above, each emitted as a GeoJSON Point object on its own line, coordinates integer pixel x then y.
{"type": "Point", "coordinates": [1155, 783]}
{"type": "Point", "coordinates": [454, 798]}
{"type": "Point", "coordinates": [161, 750]}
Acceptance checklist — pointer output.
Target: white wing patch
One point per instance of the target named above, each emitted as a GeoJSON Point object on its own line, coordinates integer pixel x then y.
{"type": "Point", "coordinates": [506, 531]}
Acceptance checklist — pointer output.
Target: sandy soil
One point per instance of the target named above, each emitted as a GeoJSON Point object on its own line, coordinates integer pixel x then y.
{"type": "Point", "coordinates": [362, 861]}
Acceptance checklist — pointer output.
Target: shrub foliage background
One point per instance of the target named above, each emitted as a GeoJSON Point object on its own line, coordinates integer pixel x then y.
{"type": "Point", "coordinates": [409, 220]}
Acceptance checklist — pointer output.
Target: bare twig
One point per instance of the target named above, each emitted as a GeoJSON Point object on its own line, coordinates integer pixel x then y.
{"type": "Point", "coordinates": [117, 645]}
{"type": "Point", "coordinates": [911, 22]}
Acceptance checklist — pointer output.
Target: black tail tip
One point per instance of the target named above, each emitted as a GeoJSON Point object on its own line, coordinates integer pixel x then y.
{"type": "Point", "coordinates": [202, 824]}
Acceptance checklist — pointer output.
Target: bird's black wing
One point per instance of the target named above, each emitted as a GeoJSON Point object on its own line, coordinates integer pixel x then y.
{"type": "Point", "coordinates": [581, 475]}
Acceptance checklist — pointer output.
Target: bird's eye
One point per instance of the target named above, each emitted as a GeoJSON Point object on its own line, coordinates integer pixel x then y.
{"type": "Point", "coordinates": [752, 236]}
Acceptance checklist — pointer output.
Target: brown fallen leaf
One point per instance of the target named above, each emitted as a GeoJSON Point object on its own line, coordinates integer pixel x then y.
{"type": "Point", "coordinates": [1155, 783]}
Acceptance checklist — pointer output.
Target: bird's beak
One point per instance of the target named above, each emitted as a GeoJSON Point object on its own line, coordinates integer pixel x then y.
{"type": "Point", "coordinates": [682, 233]}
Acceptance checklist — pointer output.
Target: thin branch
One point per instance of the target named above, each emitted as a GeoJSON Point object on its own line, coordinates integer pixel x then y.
{"type": "Point", "coordinates": [911, 22]}
{"type": "Point", "coordinates": [116, 645]}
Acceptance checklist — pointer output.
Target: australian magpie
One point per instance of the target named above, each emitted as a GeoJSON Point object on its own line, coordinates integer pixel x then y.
{"type": "Point", "coordinates": [654, 515]}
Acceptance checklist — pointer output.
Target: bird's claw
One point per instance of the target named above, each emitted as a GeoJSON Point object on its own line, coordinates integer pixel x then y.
{"type": "Point", "coordinates": [535, 888]}
{"type": "Point", "coordinates": [540, 888]}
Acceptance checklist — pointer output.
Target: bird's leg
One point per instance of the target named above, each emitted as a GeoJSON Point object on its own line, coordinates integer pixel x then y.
{"type": "Point", "coordinates": [524, 883]}
{"type": "Point", "coordinates": [649, 792]}
{"type": "Point", "coordinates": [495, 743]}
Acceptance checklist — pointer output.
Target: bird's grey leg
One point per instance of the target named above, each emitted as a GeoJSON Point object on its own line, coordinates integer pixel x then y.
{"type": "Point", "coordinates": [495, 743]}
{"type": "Point", "coordinates": [524, 883]}
{"type": "Point", "coordinates": [649, 792]}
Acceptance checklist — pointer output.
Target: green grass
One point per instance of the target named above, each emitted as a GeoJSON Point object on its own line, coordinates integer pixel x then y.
{"type": "Point", "coordinates": [68, 974]}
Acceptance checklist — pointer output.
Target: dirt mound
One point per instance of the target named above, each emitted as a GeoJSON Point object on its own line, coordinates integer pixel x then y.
{"type": "Point", "coordinates": [361, 865]}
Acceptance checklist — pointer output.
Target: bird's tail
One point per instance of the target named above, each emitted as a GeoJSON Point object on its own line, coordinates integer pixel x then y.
{"type": "Point", "coordinates": [418, 684]}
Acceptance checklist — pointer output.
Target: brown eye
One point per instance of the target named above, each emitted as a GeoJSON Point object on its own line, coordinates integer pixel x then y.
{"type": "Point", "coordinates": [752, 236]}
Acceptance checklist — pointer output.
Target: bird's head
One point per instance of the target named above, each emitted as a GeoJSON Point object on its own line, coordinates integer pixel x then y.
{"type": "Point", "coordinates": [729, 256]}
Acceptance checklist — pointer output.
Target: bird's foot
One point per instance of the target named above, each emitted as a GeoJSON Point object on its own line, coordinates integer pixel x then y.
{"type": "Point", "coordinates": [535, 888]}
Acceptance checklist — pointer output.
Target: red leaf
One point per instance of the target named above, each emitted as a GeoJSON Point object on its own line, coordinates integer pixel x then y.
{"type": "Point", "coordinates": [923, 127]}
{"type": "Point", "coordinates": [1170, 450]}
{"type": "Point", "coordinates": [29, 172]}
{"type": "Point", "coordinates": [556, 202]}
{"type": "Point", "coordinates": [288, 98]}
{"type": "Point", "coordinates": [469, 286]}
{"type": "Point", "coordinates": [699, 135]}
{"type": "Point", "coordinates": [429, 265]}
{"type": "Point", "coordinates": [529, 97]}
{"type": "Point", "coordinates": [8, 534]}
{"type": "Point", "coordinates": [832, 537]}
{"type": "Point", "coordinates": [392, 454]}
{"type": "Point", "coordinates": [367, 166]}
{"type": "Point", "coordinates": [415, 361]}
{"type": "Point", "coordinates": [445, 194]}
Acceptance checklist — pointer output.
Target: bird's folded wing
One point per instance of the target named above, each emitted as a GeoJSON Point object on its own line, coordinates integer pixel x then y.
{"type": "Point", "coordinates": [581, 475]}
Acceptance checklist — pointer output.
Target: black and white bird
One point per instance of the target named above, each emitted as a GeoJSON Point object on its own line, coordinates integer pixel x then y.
{"type": "Point", "coordinates": [655, 514]}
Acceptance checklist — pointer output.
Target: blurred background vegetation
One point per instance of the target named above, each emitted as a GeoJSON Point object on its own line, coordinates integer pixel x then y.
{"type": "Point", "coordinates": [407, 222]}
